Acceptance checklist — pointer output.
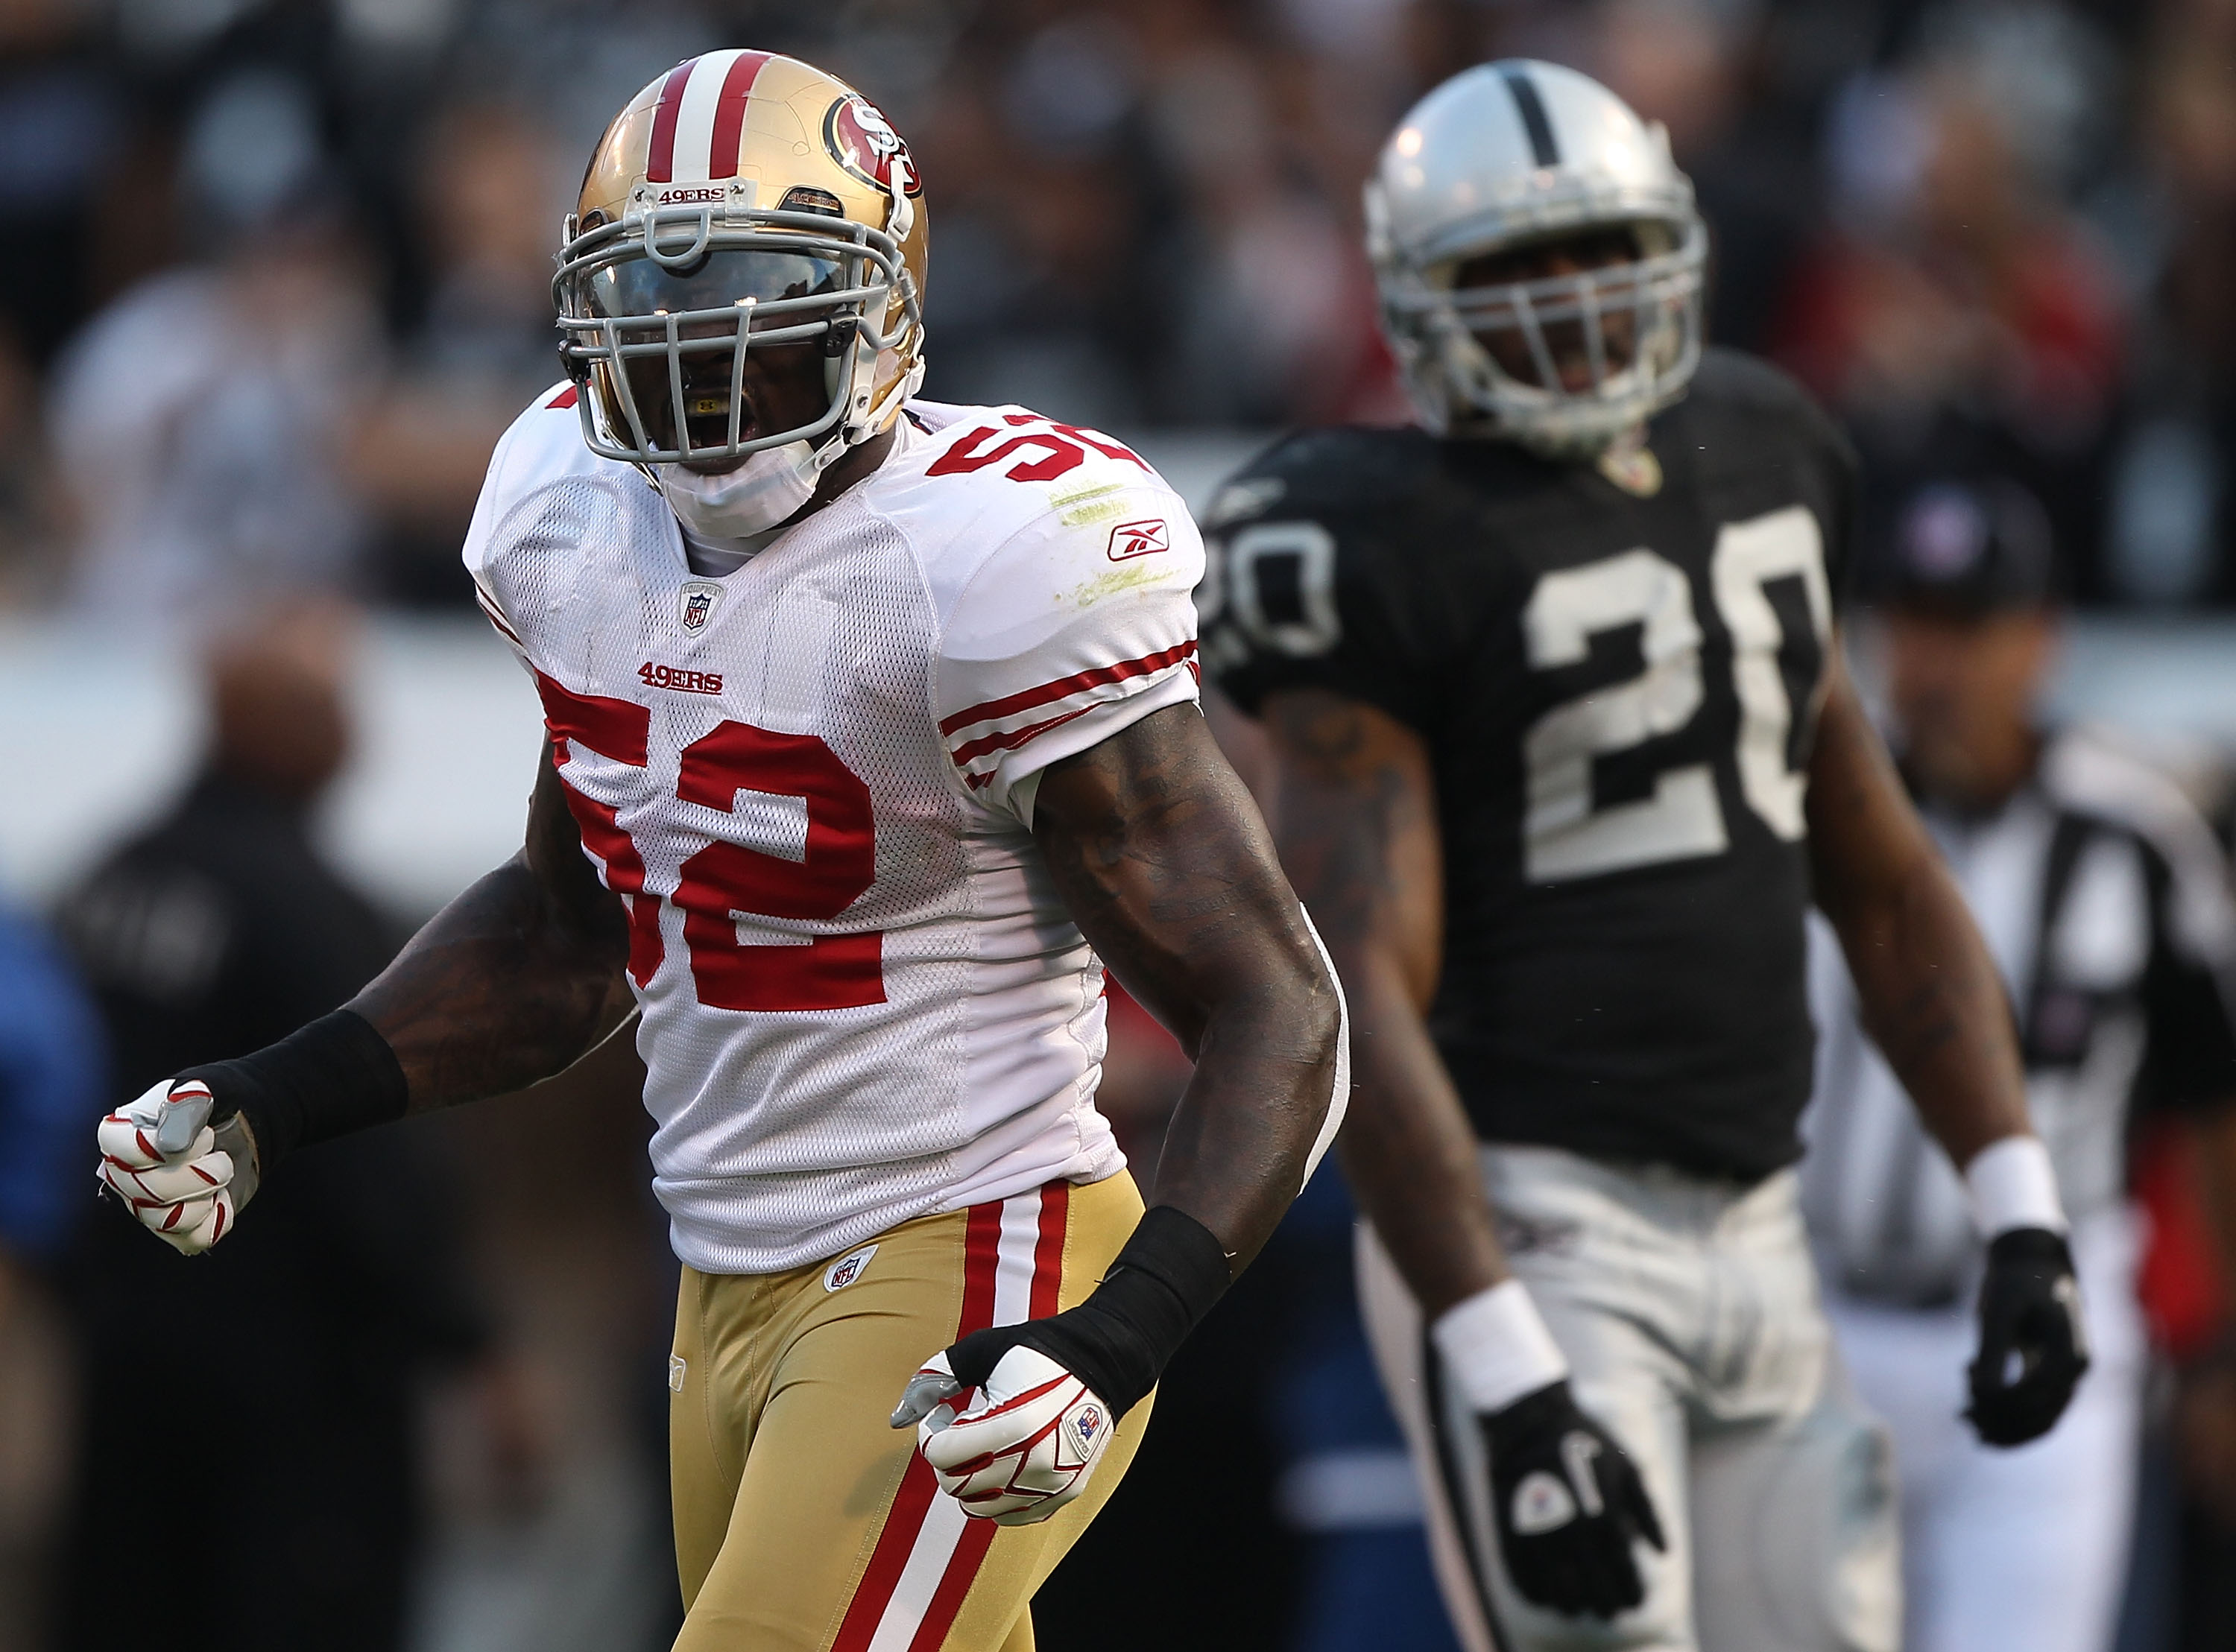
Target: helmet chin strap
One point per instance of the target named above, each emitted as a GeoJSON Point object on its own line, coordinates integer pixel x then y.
{"type": "Point", "coordinates": [767, 488]}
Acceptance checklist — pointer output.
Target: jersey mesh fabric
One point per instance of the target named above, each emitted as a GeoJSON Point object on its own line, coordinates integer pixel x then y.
{"type": "Point", "coordinates": [882, 1009]}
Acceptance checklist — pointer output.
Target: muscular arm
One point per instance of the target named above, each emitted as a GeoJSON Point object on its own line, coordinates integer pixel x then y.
{"type": "Point", "coordinates": [516, 978]}
{"type": "Point", "coordinates": [1929, 992]}
{"type": "Point", "coordinates": [1356, 808]}
{"type": "Point", "coordinates": [1169, 872]}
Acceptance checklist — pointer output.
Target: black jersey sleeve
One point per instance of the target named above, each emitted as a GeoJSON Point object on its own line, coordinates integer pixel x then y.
{"type": "Point", "coordinates": [1844, 487]}
{"type": "Point", "coordinates": [1790, 429]}
{"type": "Point", "coordinates": [1306, 580]}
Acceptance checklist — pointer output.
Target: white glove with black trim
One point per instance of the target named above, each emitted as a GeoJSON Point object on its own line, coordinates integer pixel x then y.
{"type": "Point", "coordinates": [185, 1182]}
{"type": "Point", "coordinates": [1021, 1454]}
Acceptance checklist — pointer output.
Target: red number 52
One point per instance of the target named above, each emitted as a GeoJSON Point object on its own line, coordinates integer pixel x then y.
{"type": "Point", "coordinates": [725, 880]}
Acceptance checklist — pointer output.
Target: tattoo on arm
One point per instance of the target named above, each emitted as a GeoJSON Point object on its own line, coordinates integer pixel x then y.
{"type": "Point", "coordinates": [513, 980]}
{"type": "Point", "coordinates": [1169, 873]}
{"type": "Point", "coordinates": [1355, 803]}
{"type": "Point", "coordinates": [1929, 991]}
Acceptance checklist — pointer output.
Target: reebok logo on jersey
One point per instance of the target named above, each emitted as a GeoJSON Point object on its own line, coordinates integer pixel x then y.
{"type": "Point", "coordinates": [1129, 539]}
{"type": "Point", "coordinates": [683, 682]}
{"type": "Point", "coordinates": [847, 1269]}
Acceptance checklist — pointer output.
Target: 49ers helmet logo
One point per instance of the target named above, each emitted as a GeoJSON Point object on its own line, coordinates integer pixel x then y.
{"type": "Point", "coordinates": [861, 140]}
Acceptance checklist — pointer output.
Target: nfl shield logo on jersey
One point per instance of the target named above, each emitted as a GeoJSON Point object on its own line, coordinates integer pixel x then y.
{"type": "Point", "coordinates": [847, 1269]}
{"type": "Point", "coordinates": [700, 597]}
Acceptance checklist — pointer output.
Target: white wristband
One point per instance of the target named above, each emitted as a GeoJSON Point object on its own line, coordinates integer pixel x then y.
{"type": "Point", "coordinates": [2013, 1185]}
{"type": "Point", "coordinates": [1496, 1347]}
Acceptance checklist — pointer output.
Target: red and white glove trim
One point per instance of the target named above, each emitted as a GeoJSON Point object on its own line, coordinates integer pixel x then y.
{"type": "Point", "coordinates": [160, 1156]}
{"type": "Point", "coordinates": [1026, 1450]}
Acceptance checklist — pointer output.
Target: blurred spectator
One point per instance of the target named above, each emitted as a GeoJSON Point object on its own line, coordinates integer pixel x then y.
{"type": "Point", "coordinates": [62, 130]}
{"type": "Point", "coordinates": [491, 189]}
{"type": "Point", "coordinates": [281, 1373]}
{"type": "Point", "coordinates": [2172, 537]}
{"type": "Point", "coordinates": [1960, 319]}
{"type": "Point", "coordinates": [2183, 1595]}
{"type": "Point", "coordinates": [2107, 905]}
{"type": "Point", "coordinates": [1707, 70]}
{"type": "Point", "coordinates": [34, 539]}
{"type": "Point", "coordinates": [51, 1092]}
{"type": "Point", "coordinates": [199, 419]}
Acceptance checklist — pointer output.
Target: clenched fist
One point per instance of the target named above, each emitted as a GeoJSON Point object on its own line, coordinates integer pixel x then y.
{"type": "Point", "coordinates": [186, 1180]}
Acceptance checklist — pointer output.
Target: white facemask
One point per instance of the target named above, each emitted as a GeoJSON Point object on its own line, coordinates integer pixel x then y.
{"type": "Point", "coordinates": [756, 496]}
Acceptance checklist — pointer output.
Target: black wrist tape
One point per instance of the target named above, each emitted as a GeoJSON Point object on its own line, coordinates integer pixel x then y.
{"type": "Point", "coordinates": [1119, 1340]}
{"type": "Point", "coordinates": [333, 1077]}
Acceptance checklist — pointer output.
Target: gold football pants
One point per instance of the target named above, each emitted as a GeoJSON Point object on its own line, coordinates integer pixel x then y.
{"type": "Point", "coordinates": [804, 1523]}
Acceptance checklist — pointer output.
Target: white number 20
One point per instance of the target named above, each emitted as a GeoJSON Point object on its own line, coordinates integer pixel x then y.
{"type": "Point", "coordinates": [1563, 836]}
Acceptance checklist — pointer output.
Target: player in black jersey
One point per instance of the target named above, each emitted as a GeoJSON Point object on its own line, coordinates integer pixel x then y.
{"type": "Point", "coordinates": [1564, 752]}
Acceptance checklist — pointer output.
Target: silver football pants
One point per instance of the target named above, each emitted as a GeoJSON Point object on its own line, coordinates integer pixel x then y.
{"type": "Point", "coordinates": [1689, 1313]}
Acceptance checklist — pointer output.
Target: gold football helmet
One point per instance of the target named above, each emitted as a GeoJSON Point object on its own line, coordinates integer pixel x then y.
{"type": "Point", "coordinates": [741, 200]}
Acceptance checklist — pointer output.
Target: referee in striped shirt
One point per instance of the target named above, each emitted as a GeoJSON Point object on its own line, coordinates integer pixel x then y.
{"type": "Point", "coordinates": [2105, 902]}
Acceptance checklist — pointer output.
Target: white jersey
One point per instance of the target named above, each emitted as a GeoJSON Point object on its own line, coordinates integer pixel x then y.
{"type": "Point", "coordinates": [812, 780]}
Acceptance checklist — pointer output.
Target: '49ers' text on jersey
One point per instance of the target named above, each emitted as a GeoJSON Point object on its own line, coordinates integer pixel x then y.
{"type": "Point", "coordinates": [811, 782]}
{"type": "Point", "coordinates": [1616, 671]}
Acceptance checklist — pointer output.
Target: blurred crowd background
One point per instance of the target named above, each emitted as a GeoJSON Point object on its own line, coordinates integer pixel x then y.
{"type": "Point", "coordinates": [279, 268]}
{"type": "Point", "coordinates": [277, 276]}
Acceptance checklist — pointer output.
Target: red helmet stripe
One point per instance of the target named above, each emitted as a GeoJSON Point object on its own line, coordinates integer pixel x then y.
{"type": "Point", "coordinates": [730, 114]}
{"type": "Point", "coordinates": [660, 166]}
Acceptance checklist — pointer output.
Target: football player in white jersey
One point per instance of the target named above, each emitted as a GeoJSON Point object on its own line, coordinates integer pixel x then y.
{"type": "Point", "coordinates": [872, 732]}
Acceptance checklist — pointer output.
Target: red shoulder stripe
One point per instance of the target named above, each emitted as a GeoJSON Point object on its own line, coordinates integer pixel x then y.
{"type": "Point", "coordinates": [971, 750]}
{"type": "Point", "coordinates": [1025, 699]}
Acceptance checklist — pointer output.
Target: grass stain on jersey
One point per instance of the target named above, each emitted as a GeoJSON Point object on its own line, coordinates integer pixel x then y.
{"type": "Point", "coordinates": [1126, 577]}
{"type": "Point", "coordinates": [1084, 507]}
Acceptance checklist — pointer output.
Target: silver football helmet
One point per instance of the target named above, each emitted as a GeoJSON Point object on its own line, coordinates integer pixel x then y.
{"type": "Point", "coordinates": [1504, 157]}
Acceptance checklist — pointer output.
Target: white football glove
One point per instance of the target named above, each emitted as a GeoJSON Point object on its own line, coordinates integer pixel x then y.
{"type": "Point", "coordinates": [1023, 1453]}
{"type": "Point", "coordinates": [185, 1182]}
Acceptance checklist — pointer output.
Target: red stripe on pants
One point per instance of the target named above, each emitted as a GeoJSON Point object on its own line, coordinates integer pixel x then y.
{"type": "Point", "coordinates": [982, 1255]}
{"type": "Point", "coordinates": [1047, 1256]}
{"type": "Point", "coordinates": [978, 1536]}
